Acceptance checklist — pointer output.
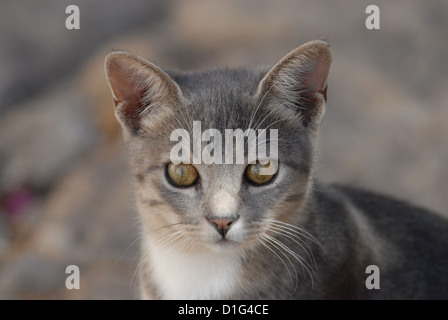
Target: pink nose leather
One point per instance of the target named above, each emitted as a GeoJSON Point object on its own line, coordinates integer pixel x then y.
{"type": "Point", "coordinates": [222, 225]}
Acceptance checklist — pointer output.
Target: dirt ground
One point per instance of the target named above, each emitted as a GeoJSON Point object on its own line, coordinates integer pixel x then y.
{"type": "Point", "coordinates": [65, 196]}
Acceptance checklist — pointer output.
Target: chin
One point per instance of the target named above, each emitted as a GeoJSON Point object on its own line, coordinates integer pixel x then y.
{"type": "Point", "coordinates": [224, 246]}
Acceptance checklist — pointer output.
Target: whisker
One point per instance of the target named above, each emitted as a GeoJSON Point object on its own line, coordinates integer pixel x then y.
{"type": "Point", "coordinates": [294, 237]}
{"type": "Point", "coordinates": [170, 238]}
{"type": "Point", "coordinates": [143, 260]}
{"type": "Point", "coordinates": [180, 245]}
{"type": "Point", "coordinates": [124, 252]}
{"type": "Point", "coordinates": [294, 255]}
{"type": "Point", "coordinates": [277, 245]}
{"type": "Point", "coordinates": [304, 232]}
{"type": "Point", "coordinates": [267, 247]}
{"type": "Point", "coordinates": [166, 226]}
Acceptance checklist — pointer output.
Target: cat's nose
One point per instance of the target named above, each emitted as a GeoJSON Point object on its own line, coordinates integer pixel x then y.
{"type": "Point", "coordinates": [222, 225]}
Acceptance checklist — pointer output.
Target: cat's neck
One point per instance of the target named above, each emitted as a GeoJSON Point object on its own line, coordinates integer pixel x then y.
{"type": "Point", "coordinates": [194, 275]}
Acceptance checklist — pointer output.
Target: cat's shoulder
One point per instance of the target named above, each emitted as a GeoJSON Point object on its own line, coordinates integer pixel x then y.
{"type": "Point", "coordinates": [381, 204]}
{"type": "Point", "coordinates": [389, 213]}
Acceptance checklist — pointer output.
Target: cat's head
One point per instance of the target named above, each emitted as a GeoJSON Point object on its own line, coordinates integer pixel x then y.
{"type": "Point", "coordinates": [222, 206]}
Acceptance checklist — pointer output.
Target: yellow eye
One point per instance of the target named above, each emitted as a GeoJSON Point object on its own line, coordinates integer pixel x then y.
{"type": "Point", "coordinates": [261, 172]}
{"type": "Point", "coordinates": [182, 175]}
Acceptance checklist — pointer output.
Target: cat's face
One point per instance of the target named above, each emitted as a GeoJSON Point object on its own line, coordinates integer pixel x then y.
{"type": "Point", "coordinates": [221, 206]}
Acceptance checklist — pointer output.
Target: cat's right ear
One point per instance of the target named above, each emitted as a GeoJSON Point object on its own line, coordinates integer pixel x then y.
{"type": "Point", "coordinates": [142, 92]}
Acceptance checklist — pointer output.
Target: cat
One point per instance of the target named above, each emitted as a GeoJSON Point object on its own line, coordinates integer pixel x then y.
{"type": "Point", "coordinates": [225, 231]}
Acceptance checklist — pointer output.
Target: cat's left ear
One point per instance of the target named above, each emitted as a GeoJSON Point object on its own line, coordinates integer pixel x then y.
{"type": "Point", "coordinates": [299, 81]}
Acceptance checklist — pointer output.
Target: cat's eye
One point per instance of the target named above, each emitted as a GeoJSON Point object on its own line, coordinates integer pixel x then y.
{"type": "Point", "coordinates": [182, 175]}
{"type": "Point", "coordinates": [261, 172]}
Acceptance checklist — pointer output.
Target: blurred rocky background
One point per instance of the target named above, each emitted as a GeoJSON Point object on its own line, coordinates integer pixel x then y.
{"type": "Point", "coordinates": [65, 196]}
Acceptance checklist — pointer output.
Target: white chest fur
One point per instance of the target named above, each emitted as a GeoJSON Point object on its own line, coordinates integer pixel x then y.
{"type": "Point", "coordinates": [193, 276]}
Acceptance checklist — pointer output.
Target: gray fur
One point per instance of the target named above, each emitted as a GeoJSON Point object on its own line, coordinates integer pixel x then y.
{"type": "Point", "coordinates": [333, 232]}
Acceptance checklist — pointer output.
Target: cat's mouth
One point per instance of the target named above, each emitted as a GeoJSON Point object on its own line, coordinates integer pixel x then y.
{"type": "Point", "coordinates": [224, 244]}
